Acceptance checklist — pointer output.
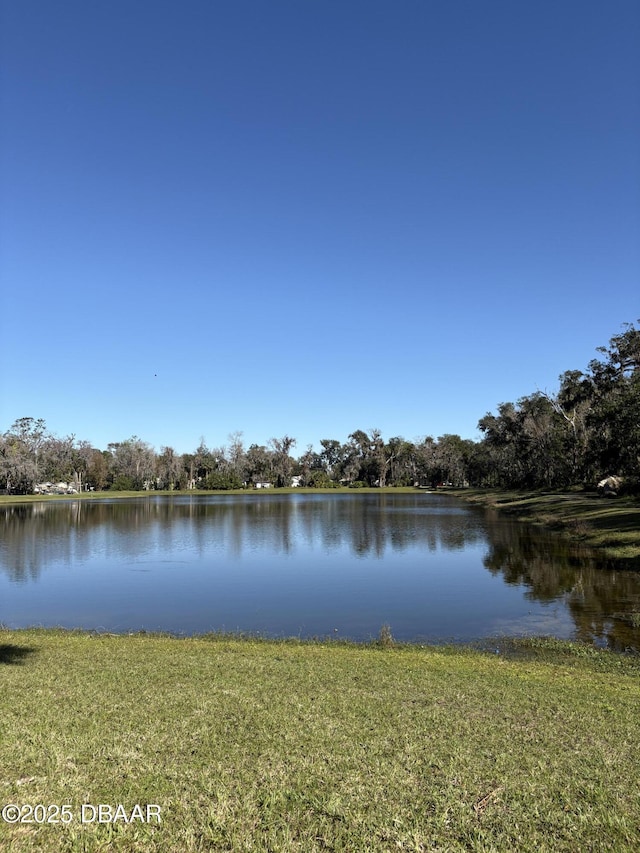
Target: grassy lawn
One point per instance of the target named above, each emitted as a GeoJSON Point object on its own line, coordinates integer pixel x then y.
{"type": "Point", "coordinates": [249, 745]}
{"type": "Point", "coordinates": [609, 524]}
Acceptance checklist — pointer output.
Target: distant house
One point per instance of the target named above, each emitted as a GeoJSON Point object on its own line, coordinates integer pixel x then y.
{"type": "Point", "coordinates": [263, 485]}
{"type": "Point", "coordinates": [54, 489]}
{"type": "Point", "coordinates": [295, 481]}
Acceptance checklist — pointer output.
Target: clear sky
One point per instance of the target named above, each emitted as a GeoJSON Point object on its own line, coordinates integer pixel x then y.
{"type": "Point", "coordinates": [308, 217]}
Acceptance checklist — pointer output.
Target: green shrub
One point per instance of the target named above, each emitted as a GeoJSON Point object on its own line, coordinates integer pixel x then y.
{"type": "Point", "coordinates": [220, 480]}
{"type": "Point", "coordinates": [122, 483]}
{"type": "Point", "coordinates": [320, 480]}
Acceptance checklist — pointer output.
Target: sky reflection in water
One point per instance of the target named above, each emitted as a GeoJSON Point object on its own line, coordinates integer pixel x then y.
{"type": "Point", "coordinates": [340, 565]}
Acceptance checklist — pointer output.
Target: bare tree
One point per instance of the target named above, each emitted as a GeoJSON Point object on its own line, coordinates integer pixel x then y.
{"type": "Point", "coordinates": [236, 456]}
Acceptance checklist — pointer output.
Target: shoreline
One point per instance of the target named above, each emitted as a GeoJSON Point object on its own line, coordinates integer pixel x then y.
{"type": "Point", "coordinates": [608, 525]}
{"type": "Point", "coordinates": [290, 490]}
{"type": "Point", "coordinates": [508, 646]}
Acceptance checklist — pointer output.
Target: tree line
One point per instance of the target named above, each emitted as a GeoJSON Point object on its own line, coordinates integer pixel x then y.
{"type": "Point", "coordinates": [587, 430]}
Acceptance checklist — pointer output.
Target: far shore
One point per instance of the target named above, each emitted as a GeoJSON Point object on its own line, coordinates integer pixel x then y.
{"type": "Point", "coordinates": [4, 499]}
{"type": "Point", "coordinates": [610, 525]}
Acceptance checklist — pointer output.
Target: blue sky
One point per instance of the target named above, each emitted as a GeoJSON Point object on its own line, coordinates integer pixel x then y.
{"type": "Point", "coordinates": [308, 218]}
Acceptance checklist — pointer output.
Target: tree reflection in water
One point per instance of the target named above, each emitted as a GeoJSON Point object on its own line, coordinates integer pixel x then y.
{"type": "Point", "coordinates": [600, 597]}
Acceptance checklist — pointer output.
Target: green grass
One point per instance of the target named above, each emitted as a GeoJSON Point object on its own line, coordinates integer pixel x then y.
{"type": "Point", "coordinates": [609, 524]}
{"type": "Point", "coordinates": [258, 493]}
{"type": "Point", "coordinates": [250, 745]}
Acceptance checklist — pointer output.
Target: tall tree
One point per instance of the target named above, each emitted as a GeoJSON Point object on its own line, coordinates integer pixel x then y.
{"type": "Point", "coordinates": [259, 464]}
{"type": "Point", "coordinates": [282, 461]}
{"type": "Point", "coordinates": [615, 415]}
{"type": "Point", "coordinates": [97, 474]}
{"type": "Point", "coordinates": [20, 454]}
{"type": "Point", "coordinates": [168, 468]}
{"type": "Point", "coordinates": [58, 460]}
{"type": "Point", "coordinates": [204, 461]}
{"type": "Point", "coordinates": [331, 456]}
{"type": "Point", "coordinates": [132, 464]}
{"type": "Point", "coordinates": [237, 457]}
{"type": "Point", "coordinates": [403, 460]}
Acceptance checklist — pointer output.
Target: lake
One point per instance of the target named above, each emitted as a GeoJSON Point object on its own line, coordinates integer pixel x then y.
{"type": "Point", "coordinates": [307, 565]}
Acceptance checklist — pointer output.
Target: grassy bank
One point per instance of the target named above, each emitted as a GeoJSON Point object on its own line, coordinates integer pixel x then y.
{"type": "Point", "coordinates": [285, 746]}
{"type": "Point", "coordinates": [257, 493]}
{"type": "Point", "coordinates": [609, 524]}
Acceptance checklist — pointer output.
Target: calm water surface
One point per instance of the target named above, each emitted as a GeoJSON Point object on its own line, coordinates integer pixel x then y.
{"type": "Point", "coordinates": [341, 565]}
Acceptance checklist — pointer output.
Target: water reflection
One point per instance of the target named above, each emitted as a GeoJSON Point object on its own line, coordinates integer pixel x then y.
{"type": "Point", "coordinates": [34, 535]}
{"type": "Point", "coordinates": [430, 566]}
{"type": "Point", "coordinates": [600, 597]}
